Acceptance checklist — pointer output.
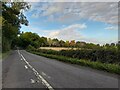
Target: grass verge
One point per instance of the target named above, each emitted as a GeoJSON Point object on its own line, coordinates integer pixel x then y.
{"type": "Point", "coordinates": [112, 68]}
{"type": "Point", "coordinates": [4, 55]}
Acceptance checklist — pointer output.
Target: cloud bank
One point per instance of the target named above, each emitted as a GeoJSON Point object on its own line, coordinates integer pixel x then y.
{"type": "Point", "coordinates": [106, 12]}
{"type": "Point", "coordinates": [68, 33]}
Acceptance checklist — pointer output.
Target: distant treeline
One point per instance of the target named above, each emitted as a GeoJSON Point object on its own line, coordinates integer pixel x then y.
{"type": "Point", "coordinates": [27, 39]}
{"type": "Point", "coordinates": [108, 53]}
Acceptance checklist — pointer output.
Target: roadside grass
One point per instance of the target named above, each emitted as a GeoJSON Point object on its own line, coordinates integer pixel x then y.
{"type": "Point", "coordinates": [112, 68]}
{"type": "Point", "coordinates": [0, 56]}
{"type": "Point", "coordinates": [4, 55]}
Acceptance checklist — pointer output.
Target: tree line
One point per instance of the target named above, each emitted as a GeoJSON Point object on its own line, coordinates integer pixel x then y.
{"type": "Point", "coordinates": [26, 39]}
{"type": "Point", "coordinates": [108, 53]}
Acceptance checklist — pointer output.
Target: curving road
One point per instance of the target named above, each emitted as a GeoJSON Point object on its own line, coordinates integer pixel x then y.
{"type": "Point", "coordinates": [25, 70]}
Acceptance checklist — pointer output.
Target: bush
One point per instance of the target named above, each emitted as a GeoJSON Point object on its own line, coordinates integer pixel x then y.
{"type": "Point", "coordinates": [101, 55]}
{"type": "Point", "coordinates": [30, 48]}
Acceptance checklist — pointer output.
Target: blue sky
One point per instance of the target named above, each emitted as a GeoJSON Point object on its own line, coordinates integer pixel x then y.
{"type": "Point", "coordinates": [81, 21]}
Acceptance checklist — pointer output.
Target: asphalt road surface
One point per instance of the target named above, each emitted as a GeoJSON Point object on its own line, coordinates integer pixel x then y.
{"type": "Point", "coordinates": [25, 70]}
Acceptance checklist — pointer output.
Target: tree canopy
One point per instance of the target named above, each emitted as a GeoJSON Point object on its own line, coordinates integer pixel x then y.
{"type": "Point", "coordinates": [12, 18]}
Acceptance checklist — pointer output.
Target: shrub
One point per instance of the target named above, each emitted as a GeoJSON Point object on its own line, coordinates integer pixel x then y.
{"type": "Point", "coordinates": [30, 48]}
{"type": "Point", "coordinates": [101, 55]}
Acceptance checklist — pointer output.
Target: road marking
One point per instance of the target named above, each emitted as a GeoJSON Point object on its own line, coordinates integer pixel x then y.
{"type": "Point", "coordinates": [38, 81]}
{"type": "Point", "coordinates": [47, 85]}
{"type": "Point", "coordinates": [18, 52]}
{"type": "Point", "coordinates": [44, 74]}
{"type": "Point", "coordinates": [26, 67]}
{"type": "Point", "coordinates": [32, 81]}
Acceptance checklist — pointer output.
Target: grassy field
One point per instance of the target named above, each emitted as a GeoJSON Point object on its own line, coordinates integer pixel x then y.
{"type": "Point", "coordinates": [112, 68]}
{"type": "Point", "coordinates": [58, 48]}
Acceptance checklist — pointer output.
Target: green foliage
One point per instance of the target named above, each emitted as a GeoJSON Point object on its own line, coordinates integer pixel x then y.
{"type": "Point", "coordinates": [55, 42]}
{"type": "Point", "coordinates": [29, 38]}
{"type": "Point", "coordinates": [30, 47]}
{"type": "Point", "coordinates": [61, 43]}
{"type": "Point", "coordinates": [5, 44]}
{"type": "Point", "coordinates": [43, 41]}
{"type": "Point", "coordinates": [101, 55]}
{"type": "Point", "coordinates": [12, 18]}
{"type": "Point", "coordinates": [113, 68]}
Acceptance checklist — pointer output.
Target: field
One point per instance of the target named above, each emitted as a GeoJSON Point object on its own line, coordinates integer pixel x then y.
{"type": "Point", "coordinates": [58, 48]}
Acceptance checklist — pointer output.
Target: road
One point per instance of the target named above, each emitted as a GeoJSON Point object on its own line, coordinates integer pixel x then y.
{"type": "Point", "coordinates": [25, 70]}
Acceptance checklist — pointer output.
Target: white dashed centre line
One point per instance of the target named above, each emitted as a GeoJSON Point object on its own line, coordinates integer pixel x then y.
{"type": "Point", "coordinates": [44, 74]}
{"type": "Point", "coordinates": [26, 67]}
{"type": "Point", "coordinates": [32, 81]}
{"type": "Point", "coordinates": [47, 85]}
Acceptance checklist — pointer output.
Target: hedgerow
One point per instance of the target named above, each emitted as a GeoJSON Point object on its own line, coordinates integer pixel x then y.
{"type": "Point", "coordinates": [101, 55]}
{"type": "Point", "coordinates": [112, 68]}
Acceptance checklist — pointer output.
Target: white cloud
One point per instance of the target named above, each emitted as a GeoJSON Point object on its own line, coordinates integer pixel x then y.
{"type": "Point", "coordinates": [71, 32]}
{"type": "Point", "coordinates": [112, 28]}
{"type": "Point", "coordinates": [106, 12]}
{"type": "Point", "coordinates": [77, 26]}
{"type": "Point", "coordinates": [51, 11]}
{"type": "Point", "coordinates": [68, 33]}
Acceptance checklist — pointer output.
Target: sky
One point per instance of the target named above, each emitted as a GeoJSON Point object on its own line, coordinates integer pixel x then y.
{"type": "Point", "coordinates": [92, 22]}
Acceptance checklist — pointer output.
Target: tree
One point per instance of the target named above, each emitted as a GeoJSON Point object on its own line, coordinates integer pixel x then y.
{"type": "Point", "coordinates": [29, 38]}
{"type": "Point", "coordinates": [67, 44]}
{"type": "Point", "coordinates": [80, 44]}
{"type": "Point", "coordinates": [43, 41]}
{"type": "Point", "coordinates": [13, 17]}
{"type": "Point", "coordinates": [112, 44]}
{"type": "Point", "coordinates": [49, 42]}
{"type": "Point", "coordinates": [72, 43]}
{"type": "Point", "coordinates": [55, 42]}
{"type": "Point", "coordinates": [61, 43]}
{"type": "Point", "coordinates": [107, 45]}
